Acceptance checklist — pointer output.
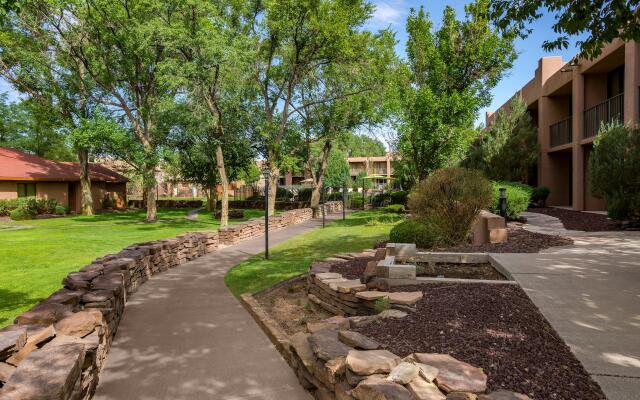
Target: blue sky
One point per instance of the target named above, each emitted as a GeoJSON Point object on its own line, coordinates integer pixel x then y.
{"type": "Point", "coordinates": [392, 14]}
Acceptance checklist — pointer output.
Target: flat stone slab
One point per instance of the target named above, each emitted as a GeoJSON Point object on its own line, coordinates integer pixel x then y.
{"type": "Point", "coordinates": [6, 371]}
{"type": "Point", "coordinates": [358, 340]}
{"type": "Point", "coordinates": [381, 389]}
{"type": "Point", "coordinates": [335, 323]}
{"type": "Point", "coordinates": [326, 345]}
{"type": "Point", "coordinates": [44, 313]}
{"type": "Point", "coordinates": [423, 390]}
{"type": "Point", "coordinates": [392, 314]}
{"type": "Point", "coordinates": [12, 340]}
{"type": "Point", "coordinates": [371, 295]}
{"type": "Point", "coordinates": [396, 271]}
{"type": "Point", "coordinates": [454, 375]}
{"type": "Point", "coordinates": [48, 373]}
{"type": "Point", "coordinates": [348, 286]}
{"type": "Point", "coordinates": [407, 298]}
{"type": "Point", "coordinates": [369, 362]}
{"type": "Point", "coordinates": [300, 344]}
{"type": "Point", "coordinates": [403, 373]}
{"type": "Point", "coordinates": [79, 324]}
{"type": "Point", "coordinates": [328, 275]}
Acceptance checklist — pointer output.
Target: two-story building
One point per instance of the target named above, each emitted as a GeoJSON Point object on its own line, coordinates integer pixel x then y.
{"type": "Point", "coordinates": [568, 102]}
{"type": "Point", "coordinates": [373, 165]}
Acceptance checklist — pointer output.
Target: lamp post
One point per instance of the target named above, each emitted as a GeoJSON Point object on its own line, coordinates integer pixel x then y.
{"type": "Point", "coordinates": [266, 173]}
{"type": "Point", "coordinates": [502, 202]}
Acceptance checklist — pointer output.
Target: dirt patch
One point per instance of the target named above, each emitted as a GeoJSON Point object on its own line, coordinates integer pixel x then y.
{"type": "Point", "coordinates": [580, 221]}
{"type": "Point", "coordinates": [459, 271]}
{"type": "Point", "coordinates": [519, 240]}
{"type": "Point", "coordinates": [495, 327]}
{"type": "Point", "coordinates": [289, 306]}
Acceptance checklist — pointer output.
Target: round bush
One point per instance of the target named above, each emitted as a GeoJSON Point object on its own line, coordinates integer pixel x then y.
{"type": "Point", "coordinates": [21, 213]}
{"type": "Point", "coordinates": [539, 195]}
{"type": "Point", "coordinates": [304, 194]}
{"type": "Point", "coordinates": [449, 201]}
{"type": "Point", "coordinates": [412, 231]}
{"type": "Point", "coordinates": [60, 210]}
{"type": "Point", "coordinates": [395, 208]}
{"type": "Point", "coordinates": [399, 197]}
{"type": "Point", "coordinates": [518, 198]}
{"type": "Point", "coordinates": [334, 196]}
{"type": "Point", "coordinates": [283, 194]}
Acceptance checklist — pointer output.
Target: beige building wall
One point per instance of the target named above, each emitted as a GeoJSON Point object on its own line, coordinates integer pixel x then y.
{"type": "Point", "coordinates": [53, 190]}
{"type": "Point", "coordinates": [8, 190]}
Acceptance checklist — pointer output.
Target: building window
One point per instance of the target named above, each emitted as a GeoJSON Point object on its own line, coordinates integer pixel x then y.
{"type": "Point", "coordinates": [26, 190]}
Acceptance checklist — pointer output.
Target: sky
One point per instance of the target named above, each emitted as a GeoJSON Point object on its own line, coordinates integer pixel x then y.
{"type": "Point", "coordinates": [393, 13]}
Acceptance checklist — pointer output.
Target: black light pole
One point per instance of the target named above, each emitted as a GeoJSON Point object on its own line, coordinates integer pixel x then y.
{"type": "Point", "coordinates": [502, 202]}
{"type": "Point", "coordinates": [344, 202]}
{"type": "Point", "coordinates": [266, 173]}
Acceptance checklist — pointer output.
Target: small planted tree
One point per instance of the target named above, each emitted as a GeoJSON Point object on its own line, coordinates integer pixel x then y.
{"type": "Point", "coordinates": [449, 201]}
{"type": "Point", "coordinates": [613, 170]}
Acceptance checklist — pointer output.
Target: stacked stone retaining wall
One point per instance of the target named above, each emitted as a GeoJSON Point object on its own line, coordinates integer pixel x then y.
{"type": "Point", "coordinates": [57, 348]}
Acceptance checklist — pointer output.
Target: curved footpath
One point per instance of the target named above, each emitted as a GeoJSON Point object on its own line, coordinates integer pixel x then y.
{"type": "Point", "coordinates": [590, 294]}
{"type": "Point", "coordinates": [184, 336]}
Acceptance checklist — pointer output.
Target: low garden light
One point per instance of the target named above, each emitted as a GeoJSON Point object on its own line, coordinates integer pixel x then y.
{"type": "Point", "coordinates": [502, 202]}
{"type": "Point", "coordinates": [266, 173]}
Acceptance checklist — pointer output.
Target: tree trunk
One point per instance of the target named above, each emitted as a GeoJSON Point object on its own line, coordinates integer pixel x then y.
{"type": "Point", "coordinates": [211, 199]}
{"type": "Point", "coordinates": [224, 212]}
{"type": "Point", "coordinates": [149, 187]}
{"type": "Point", "coordinates": [315, 194]}
{"type": "Point", "coordinates": [85, 182]}
{"type": "Point", "coordinates": [273, 187]}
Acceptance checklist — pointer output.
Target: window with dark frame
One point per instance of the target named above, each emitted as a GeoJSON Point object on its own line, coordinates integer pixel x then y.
{"type": "Point", "coordinates": [26, 190]}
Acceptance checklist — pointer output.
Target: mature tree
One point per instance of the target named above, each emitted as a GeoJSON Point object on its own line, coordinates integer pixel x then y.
{"type": "Point", "coordinates": [118, 48]}
{"type": "Point", "coordinates": [341, 97]}
{"type": "Point", "coordinates": [362, 145]}
{"type": "Point", "coordinates": [508, 148]}
{"type": "Point", "coordinates": [35, 60]}
{"type": "Point", "coordinates": [601, 21]}
{"type": "Point", "coordinates": [213, 58]}
{"type": "Point", "coordinates": [451, 72]}
{"type": "Point", "coordinates": [337, 174]}
{"type": "Point", "coordinates": [295, 38]}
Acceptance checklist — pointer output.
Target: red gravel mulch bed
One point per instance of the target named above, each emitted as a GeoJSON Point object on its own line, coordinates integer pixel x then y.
{"type": "Point", "coordinates": [580, 221]}
{"type": "Point", "coordinates": [519, 240]}
{"type": "Point", "coordinates": [495, 327]}
{"type": "Point", "coordinates": [352, 269]}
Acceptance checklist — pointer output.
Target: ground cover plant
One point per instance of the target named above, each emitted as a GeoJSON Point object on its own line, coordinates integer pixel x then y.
{"type": "Point", "coordinates": [293, 257]}
{"type": "Point", "coordinates": [34, 260]}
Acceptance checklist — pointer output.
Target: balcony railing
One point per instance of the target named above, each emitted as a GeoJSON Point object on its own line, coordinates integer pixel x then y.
{"type": "Point", "coordinates": [609, 110]}
{"type": "Point", "coordinates": [561, 132]}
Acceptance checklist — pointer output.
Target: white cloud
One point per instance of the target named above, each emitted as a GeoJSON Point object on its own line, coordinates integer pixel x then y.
{"type": "Point", "coordinates": [388, 12]}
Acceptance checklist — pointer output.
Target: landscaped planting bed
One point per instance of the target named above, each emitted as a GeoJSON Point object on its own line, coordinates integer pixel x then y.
{"type": "Point", "coordinates": [459, 271]}
{"type": "Point", "coordinates": [519, 240]}
{"type": "Point", "coordinates": [494, 327]}
{"type": "Point", "coordinates": [580, 221]}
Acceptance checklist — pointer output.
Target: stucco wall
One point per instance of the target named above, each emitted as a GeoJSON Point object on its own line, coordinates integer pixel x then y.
{"type": "Point", "coordinates": [8, 190]}
{"type": "Point", "coordinates": [53, 190]}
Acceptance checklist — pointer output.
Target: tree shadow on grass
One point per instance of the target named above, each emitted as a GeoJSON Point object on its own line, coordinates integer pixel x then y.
{"type": "Point", "coordinates": [10, 301]}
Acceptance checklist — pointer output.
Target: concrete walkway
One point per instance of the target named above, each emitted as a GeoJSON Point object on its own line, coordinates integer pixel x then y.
{"type": "Point", "coordinates": [590, 293]}
{"type": "Point", "coordinates": [184, 336]}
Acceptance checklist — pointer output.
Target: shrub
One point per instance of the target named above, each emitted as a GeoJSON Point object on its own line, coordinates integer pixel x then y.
{"type": "Point", "coordinates": [380, 199]}
{"type": "Point", "coordinates": [283, 194]}
{"type": "Point", "coordinates": [449, 201]}
{"type": "Point", "coordinates": [399, 197]}
{"type": "Point", "coordinates": [60, 210]}
{"type": "Point", "coordinates": [539, 195]}
{"type": "Point", "coordinates": [334, 196]}
{"type": "Point", "coordinates": [381, 304]}
{"type": "Point", "coordinates": [21, 214]}
{"type": "Point", "coordinates": [412, 231]}
{"type": "Point", "coordinates": [518, 198]}
{"type": "Point", "coordinates": [6, 206]}
{"type": "Point", "coordinates": [45, 206]}
{"type": "Point", "coordinates": [395, 208]}
{"type": "Point", "coordinates": [107, 202]}
{"type": "Point", "coordinates": [304, 194]}
{"type": "Point", "coordinates": [613, 170]}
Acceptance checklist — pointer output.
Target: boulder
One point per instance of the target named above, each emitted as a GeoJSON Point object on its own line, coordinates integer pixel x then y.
{"type": "Point", "coordinates": [79, 324]}
{"type": "Point", "coordinates": [423, 390]}
{"type": "Point", "coordinates": [454, 375]}
{"type": "Point", "coordinates": [461, 396]}
{"type": "Point", "coordinates": [302, 348]}
{"type": "Point", "coordinates": [12, 339]}
{"type": "Point", "coordinates": [403, 373]}
{"type": "Point", "coordinates": [427, 372]}
{"type": "Point", "coordinates": [335, 323]}
{"type": "Point", "coordinates": [34, 339]}
{"type": "Point", "coordinates": [375, 388]}
{"type": "Point", "coordinates": [361, 320]}
{"type": "Point", "coordinates": [392, 314]}
{"type": "Point", "coordinates": [371, 362]}
{"type": "Point", "coordinates": [46, 374]}
{"type": "Point", "coordinates": [503, 395]}
{"type": "Point", "coordinates": [44, 313]}
{"type": "Point", "coordinates": [357, 340]}
{"type": "Point", "coordinates": [326, 345]}
{"type": "Point", "coordinates": [369, 272]}
{"type": "Point", "coordinates": [343, 391]}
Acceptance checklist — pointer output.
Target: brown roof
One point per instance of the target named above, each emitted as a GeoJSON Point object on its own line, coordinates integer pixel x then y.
{"type": "Point", "coordinates": [16, 165]}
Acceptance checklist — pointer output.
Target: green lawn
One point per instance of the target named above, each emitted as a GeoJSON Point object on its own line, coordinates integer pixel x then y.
{"type": "Point", "coordinates": [34, 261]}
{"type": "Point", "coordinates": [360, 231]}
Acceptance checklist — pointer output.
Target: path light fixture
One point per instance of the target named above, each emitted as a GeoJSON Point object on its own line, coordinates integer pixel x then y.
{"type": "Point", "coordinates": [266, 173]}
{"type": "Point", "coordinates": [502, 202]}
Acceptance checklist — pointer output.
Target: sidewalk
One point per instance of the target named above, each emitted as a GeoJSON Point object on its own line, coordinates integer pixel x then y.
{"type": "Point", "coordinates": [184, 336]}
{"type": "Point", "coordinates": [590, 293]}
